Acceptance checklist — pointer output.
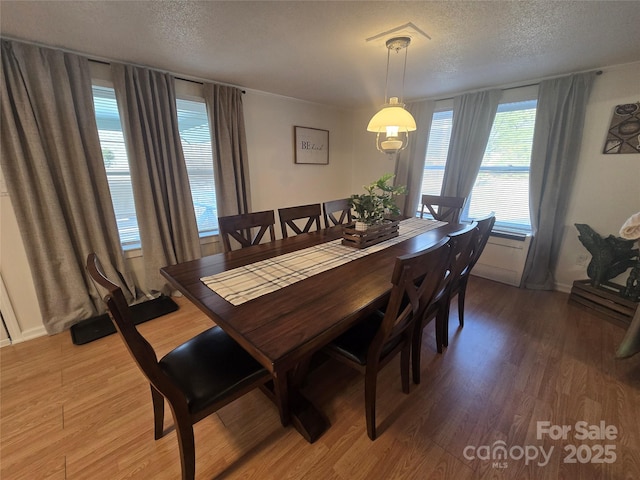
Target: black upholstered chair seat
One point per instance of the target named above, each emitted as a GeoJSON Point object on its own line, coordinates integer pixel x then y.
{"type": "Point", "coordinates": [355, 342]}
{"type": "Point", "coordinates": [189, 366]}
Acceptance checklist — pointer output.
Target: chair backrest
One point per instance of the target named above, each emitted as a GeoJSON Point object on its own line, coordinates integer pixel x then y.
{"type": "Point", "coordinates": [141, 350]}
{"type": "Point", "coordinates": [461, 250]}
{"type": "Point", "coordinates": [337, 212]}
{"type": "Point", "coordinates": [449, 208]}
{"type": "Point", "coordinates": [483, 230]}
{"type": "Point", "coordinates": [310, 213]}
{"type": "Point", "coordinates": [239, 227]}
{"type": "Point", "coordinates": [416, 279]}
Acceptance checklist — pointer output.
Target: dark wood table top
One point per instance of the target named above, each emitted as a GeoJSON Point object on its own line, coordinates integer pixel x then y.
{"type": "Point", "coordinates": [284, 327]}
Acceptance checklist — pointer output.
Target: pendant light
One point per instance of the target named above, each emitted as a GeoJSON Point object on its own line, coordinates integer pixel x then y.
{"type": "Point", "coordinates": [393, 123]}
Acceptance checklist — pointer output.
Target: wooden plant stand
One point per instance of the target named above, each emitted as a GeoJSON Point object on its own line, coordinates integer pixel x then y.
{"type": "Point", "coordinates": [604, 300]}
{"type": "Point", "coordinates": [372, 235]}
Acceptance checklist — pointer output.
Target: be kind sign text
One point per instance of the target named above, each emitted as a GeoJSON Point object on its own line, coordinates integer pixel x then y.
{"type": "Point", "coordinates": [312, 145]}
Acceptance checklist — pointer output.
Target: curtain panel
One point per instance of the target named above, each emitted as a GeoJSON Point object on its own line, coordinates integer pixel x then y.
{"type": "Point", "coordinates": [473, 116]}
{"type": "Point", "coordinates": [562, 104]}
{"type": "Point", "coordinates": [162, 194]}
{"type": "Point", "coordinates": [56, 180]}
{"type": "Point", "coordinates": [231, 163]}
{"type": "Point", "coordinates": [410, 162]}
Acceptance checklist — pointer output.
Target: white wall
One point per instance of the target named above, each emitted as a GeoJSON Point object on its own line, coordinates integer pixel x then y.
{"type": "Point", "coordinates": [607, 187]}
{"type": "Point", "coordinates": [276, 181]}
{"type": "Point", "coordinates": [368, 163]}
{"type": "Point", "coordinates": [21, 300]}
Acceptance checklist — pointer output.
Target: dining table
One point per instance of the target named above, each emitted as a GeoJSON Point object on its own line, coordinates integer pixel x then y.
{"type": "Point", "coordinates": [293, 312]}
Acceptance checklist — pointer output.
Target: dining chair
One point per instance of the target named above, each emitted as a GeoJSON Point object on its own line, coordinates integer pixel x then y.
{"type": "Point", "coordinates": [438, 306]}
{"type": "Point", "coordinates": [445, 209]}
{"type": "Point", "coordinates": [239, 227]}
{"type": "Point", "coordinates": [463, 244]}
{"type": "Point", "coordinates": [459, 284]}
{"type": "Point", "coordinates": [289, 215]}
{"type": "Point", "coordinates": [337, 212]}
{"type": "Point", "coordinates": [196, 378]}
{"type": "Point", "coordinates": [373, 342]}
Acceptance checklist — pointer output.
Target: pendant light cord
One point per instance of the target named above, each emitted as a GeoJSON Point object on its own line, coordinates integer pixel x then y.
{"type": "Point", "coordinates": [404, 71]}
{"type": "Point", "coordinates": [386, 82]}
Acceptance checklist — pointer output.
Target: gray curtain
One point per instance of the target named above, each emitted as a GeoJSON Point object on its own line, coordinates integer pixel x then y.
{"type": "Point", "coordinates": [52, 161]}
{"type": "Point", "coordinates": [562, 103]}
{"type": "Point", "coordinates": [164, 206]}
{"type": "Point", "coordinates": [231, 164]}
{"type": "Point", "coordinates": [473, 115]}
{"type": "Point", "coordinates": [410, 162]}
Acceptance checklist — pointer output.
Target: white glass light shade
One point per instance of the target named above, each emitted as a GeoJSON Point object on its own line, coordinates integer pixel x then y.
{"type": "Point", "coordinates": [392, 116]}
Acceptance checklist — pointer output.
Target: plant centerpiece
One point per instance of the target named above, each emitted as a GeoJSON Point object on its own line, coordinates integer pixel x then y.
{"type": "Point", "coordinates": [371, 213]}
{"type": "Point", "coordinates": [373, 207]}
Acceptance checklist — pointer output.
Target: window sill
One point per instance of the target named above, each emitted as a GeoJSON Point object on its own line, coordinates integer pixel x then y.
{"type": "Point", "coordinates": [133, 253]}
{"type": "Point", "coordinates": [518, 236]}
{"type": "Point", "coordinates": [136, 252]}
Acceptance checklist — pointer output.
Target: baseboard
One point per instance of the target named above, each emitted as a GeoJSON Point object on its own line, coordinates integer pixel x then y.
{"type": "Point", "coordinates": [30, 334]}
{"type": "Point", "coordinates": [562, 287]}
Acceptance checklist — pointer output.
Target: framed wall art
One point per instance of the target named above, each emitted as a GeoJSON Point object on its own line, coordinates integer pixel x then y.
{"type": "Point", "coordinates": [311, 145]}
{"type": "Point", "coordinates": [624, 130]}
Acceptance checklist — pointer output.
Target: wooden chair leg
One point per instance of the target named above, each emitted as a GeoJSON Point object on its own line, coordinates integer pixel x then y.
{"type": "Point", "coordinates": [442, 324]}
{"type": "Point", "coordinates": [416, 352]}
{"type": "Point", "coordinates": [370, 381]}
{"type": "Point", "coordinates": [184, 430]}
{"type": "Point", "coordinates": [405, 354]}
{"type": "Point", "coordinates": [158, 413]}
{"type": "Point", "coordinates": [461, 293]}
{"type": "Point", "coordinates": [441, 318]}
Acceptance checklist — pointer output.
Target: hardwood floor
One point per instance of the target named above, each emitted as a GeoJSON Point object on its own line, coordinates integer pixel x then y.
{"type": "Point", "coordinates": [84, 412]}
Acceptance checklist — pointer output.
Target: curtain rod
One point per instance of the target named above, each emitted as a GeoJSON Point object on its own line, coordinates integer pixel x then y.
{"type": "Point", "coordinates": [192, 80]}
{"type": "Point", "coordinates": [598, 72]}
{"type": "Point", "coordinates": [537, 82]}
{"type": "Point", "coordinates": [106, 61]}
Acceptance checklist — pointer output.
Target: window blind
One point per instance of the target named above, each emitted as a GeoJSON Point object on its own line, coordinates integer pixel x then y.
{"type": "Point", "coordinates": [436, 158]}
{"type": "Point", "coordinates": [502, 185]}
{"type": "Point", "coordinates": [195, 135]}
{"type": "Point", "coordinates": [116, 165]}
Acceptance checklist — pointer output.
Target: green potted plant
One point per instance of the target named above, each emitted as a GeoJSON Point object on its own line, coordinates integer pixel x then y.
{"type": "Point", "coordinates": [372, 207]}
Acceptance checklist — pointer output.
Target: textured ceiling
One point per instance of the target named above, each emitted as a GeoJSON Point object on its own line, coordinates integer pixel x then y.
{"type": "Point", "coordinates": [317, 51]}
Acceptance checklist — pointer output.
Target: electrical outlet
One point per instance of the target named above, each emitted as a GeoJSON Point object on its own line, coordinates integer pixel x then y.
{"type": "Point", "coordinates": [582, 259]}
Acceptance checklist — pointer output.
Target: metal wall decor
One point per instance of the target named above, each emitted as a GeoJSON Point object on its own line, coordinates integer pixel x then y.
{"type": "Point", "coordinates": [624, 130]}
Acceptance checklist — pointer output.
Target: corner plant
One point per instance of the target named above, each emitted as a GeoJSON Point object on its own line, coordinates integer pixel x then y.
{"type": "Point", "coordinates": [371, 207]}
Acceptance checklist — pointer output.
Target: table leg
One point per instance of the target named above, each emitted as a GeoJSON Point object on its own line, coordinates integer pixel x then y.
{"type": "Point", "coordinates": [295, 408]}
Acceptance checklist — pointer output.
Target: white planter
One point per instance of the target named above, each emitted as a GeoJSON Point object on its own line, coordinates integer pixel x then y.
{"type": "Point", "coordinates": [361, 226]}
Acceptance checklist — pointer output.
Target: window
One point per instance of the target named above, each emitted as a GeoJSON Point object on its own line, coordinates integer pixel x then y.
{"type": "Point", "coordinates": [195, 135]}
{"type": "Point", "coordinates": [116, 164]}
{"type": "Point", "coordinates": [502, 185]}
{"type": "Point", "coordinates": [437, 149]}
{"type": "Point", "coordinates": [193, 125]}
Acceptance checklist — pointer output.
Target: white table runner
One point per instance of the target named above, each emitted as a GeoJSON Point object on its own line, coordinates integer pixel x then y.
{"type": "Point", "coordinates": [254, 280]}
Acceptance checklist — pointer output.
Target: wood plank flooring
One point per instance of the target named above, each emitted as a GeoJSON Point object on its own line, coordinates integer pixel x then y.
{"type": "Point", "coordinates": [84, 412]}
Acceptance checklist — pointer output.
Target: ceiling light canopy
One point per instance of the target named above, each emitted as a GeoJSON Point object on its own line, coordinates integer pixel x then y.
{"type": "Point", "coordinates": [393, 123]}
